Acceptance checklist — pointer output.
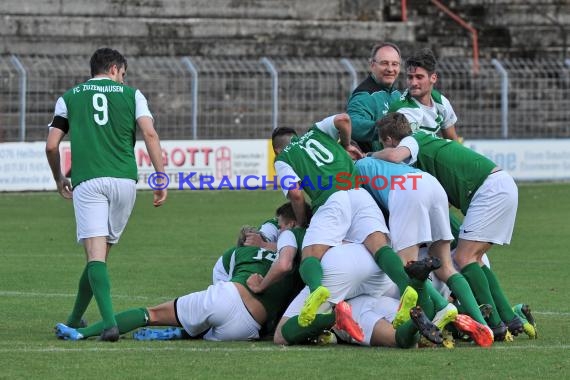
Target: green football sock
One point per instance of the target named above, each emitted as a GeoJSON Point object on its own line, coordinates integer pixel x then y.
{"type": "Point", "coordinates": [480, 286]}
{"type": "Point", "coordinates": [407, 335]}
{"type": "Point", "coordinates": [311, 272]}
{"type": "Point", "coordinates": [101, 286]}
{"type": "Point", "coordinates": [126, 321]}
{"type": "Point", "coordinates": [439, 302]}
{"type": "Point", "coordinates": [503, 305]}
{"type": "Point", "coordinates": [460, 287]}
{"type": "Point", "coordinates": [82, 300]}
{"type": "Point", "coordinates": [424, 299]}
{"type": "Point", "coordinates": [392, 265]}
{"type": "Point", "coordinates": [295, 334]}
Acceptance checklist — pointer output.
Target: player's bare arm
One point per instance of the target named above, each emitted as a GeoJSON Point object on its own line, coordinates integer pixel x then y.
{"type": "Point", "coordinates": [152, 143]}
{"type": "Point", "coordinates": [55, 136]}
{"type": "Point", "coordinates": [395, 155]}
{"type": "Point", "coordinates": [297, 199]}
{"type": "Point", "coordinates": [342, 123]}
{"type": "Point", "coordinates": [255, 239]}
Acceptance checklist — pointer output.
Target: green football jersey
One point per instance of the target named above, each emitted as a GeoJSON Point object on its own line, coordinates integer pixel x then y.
{"type": "Point", "coordinates": [319, 161]}
{"type": "Point", "coordinates": [278, 296]}
{"type": "Point", "coordinates": [102, 124]}
{"type": "Point", "coordinates": [242, 262]}
{"type": "Point", "coordinates": [428, 119]}
{"type": "Point", "coordinates": [460, 170]}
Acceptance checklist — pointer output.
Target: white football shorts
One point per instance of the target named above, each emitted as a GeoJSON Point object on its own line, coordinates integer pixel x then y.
{"type": "Point", "coordinates": [103, 206]}
{"type": "Point", "coordinates": [349, 215]}
{"type": "Point", "coordinates": [220, 311]}
{"type": "Point", "coordinates": [419, 215]}
{"type": "Point", "coordinates": [492, 212]}
{"type": "Point", "coordinates": [367, 311]}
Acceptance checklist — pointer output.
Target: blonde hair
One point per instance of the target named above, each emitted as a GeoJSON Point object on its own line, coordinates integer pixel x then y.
{"type": "Point", "coordinates": [243, 232]}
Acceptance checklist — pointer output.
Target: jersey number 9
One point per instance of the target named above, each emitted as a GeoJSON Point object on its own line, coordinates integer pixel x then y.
{"type": "Point", "coordinates": [100, 104]}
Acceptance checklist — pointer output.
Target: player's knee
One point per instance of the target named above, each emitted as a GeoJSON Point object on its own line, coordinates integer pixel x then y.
{"type": "Point", "coordinates": [375, 241]}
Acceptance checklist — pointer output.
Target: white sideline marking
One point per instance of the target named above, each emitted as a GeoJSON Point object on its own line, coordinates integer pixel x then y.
{"type": "Point", "coordinates": [551, 313]}
{"type": "Point", "coordinates": [234, 349]}
{"type": "Point", "coordinates": [8, 293]}
{"type": "Point", "coordinates": [4, 293]}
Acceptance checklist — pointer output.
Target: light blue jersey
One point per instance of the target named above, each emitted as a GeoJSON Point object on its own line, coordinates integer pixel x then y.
{"type": "Point", "coordinates": [383, 176]}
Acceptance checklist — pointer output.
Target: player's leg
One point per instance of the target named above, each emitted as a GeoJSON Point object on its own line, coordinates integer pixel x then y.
{"type": "Point", "coordinates": [120, 195]}
{"type": "Point", "coordinates": [369, 227]}
{"type": "Point", "coordinates": [328, 228]}
{"type": "Point", "coordinates": [91, 211]}
{"type": "Point", "coordinates": [490, 218]}
{"type": "Point", "coordinates": [503, 204]}
{"type": "Point", "coordinates": [82, 300]}
{"type": "Point", "coordinates": [455, 281]}
{"type": "Point", "coordinates": [288, 330]}
{"type": "Point", "coordinates": [467, 256]}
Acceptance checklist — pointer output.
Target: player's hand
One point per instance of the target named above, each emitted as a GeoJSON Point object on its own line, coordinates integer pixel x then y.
{"type": "Point", "coordinates": [64, 188]}
{"type": "Point", "coordinates": [354, 152]}
{"type": "Point", "coordinates": [159, 197]}
{"type": "Point", "coordinates": [253, 239]}
{"type": "Point", "coordinates": [254, 282]}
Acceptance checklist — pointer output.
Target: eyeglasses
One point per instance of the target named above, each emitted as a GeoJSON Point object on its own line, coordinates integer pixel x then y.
{"type": "Point", "coordinates": [386, 63]}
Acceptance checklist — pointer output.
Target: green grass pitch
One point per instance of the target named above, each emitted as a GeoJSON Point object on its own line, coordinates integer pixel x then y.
{"type": "Point", "coordinates": [168, 252]}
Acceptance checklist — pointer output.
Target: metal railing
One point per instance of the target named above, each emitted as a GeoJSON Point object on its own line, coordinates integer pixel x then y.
{"type": "Point", "coordinates": [227, 98]}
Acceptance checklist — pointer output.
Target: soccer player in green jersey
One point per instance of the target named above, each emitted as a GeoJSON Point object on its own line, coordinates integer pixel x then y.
{"type": "Point", "coordinates": [424, 107]}
{"type": "Point", "coordinates": [486, 195]}
{"type": "Point", "coordinates": [226, 310]}
{"type": "Point", "coordinates": [312, 163]}
{"type": "Point", "coordinates": [372, 97]}
{"type": "Point", "coordinates": [101, 116]}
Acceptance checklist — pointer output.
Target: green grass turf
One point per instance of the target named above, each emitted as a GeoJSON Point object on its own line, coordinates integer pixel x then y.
{"type": "Point", "coordinates": [168, 252]}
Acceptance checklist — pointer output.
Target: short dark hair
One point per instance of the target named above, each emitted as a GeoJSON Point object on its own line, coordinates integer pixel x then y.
{"type": "Point", "coordinates": [281, 136]}
{"type": "Point", "coordinates": [286, 211]}
{"type": "Point", "coordinates": [102, 60]}
{"type": "Point", "coordinates": [380, 45]}
{"type": "Point", "coordinates": [423, 58]}
{"type": "Point", "coordinates": [394, 125]}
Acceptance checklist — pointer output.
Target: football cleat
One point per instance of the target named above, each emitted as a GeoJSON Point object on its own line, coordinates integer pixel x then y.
{"type": "Point", "coordinates": [173, 333]}
{"type": "Point", "coordinates": [500, 332]}
{"type": "Point", "coordinates": [448, 341]}
{"type": "Point", "coordinates": [515, 326]}
{"type": "Point", "coordinates": [345, 322]}
{"type": "Point", "coordinates": [425, 326]}
{"type": "Point", "coordinates": [445, 316]}
{"type": "Point", "coordinates": [408, 300]}
{"type": "Point", "coordinates": [312, 304]}
{"type": "Point", "coordinates": [481, 334]}
{"type": "Point", "coordinates": [67, 333]}
{"type": "Point", "coordinates": [421, 269]}
{"type": "Point", "coordinates": [529, 323]}
{"type": "Point", "coordinates": [110, 335]}
{"type": "Point", "coordinates": [325, 338]}
{"type": "Point", "coordinates": [486, 310]}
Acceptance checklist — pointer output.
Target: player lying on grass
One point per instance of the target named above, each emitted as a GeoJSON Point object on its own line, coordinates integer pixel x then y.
{"type": "Point", "coordinates": [225, 311]}
{"type": "Point", "coordinates": [486, 195]}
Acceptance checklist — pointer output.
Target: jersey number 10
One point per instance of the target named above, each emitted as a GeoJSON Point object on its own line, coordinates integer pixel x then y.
{"type": "Point", "coordinates": [317, 152]}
